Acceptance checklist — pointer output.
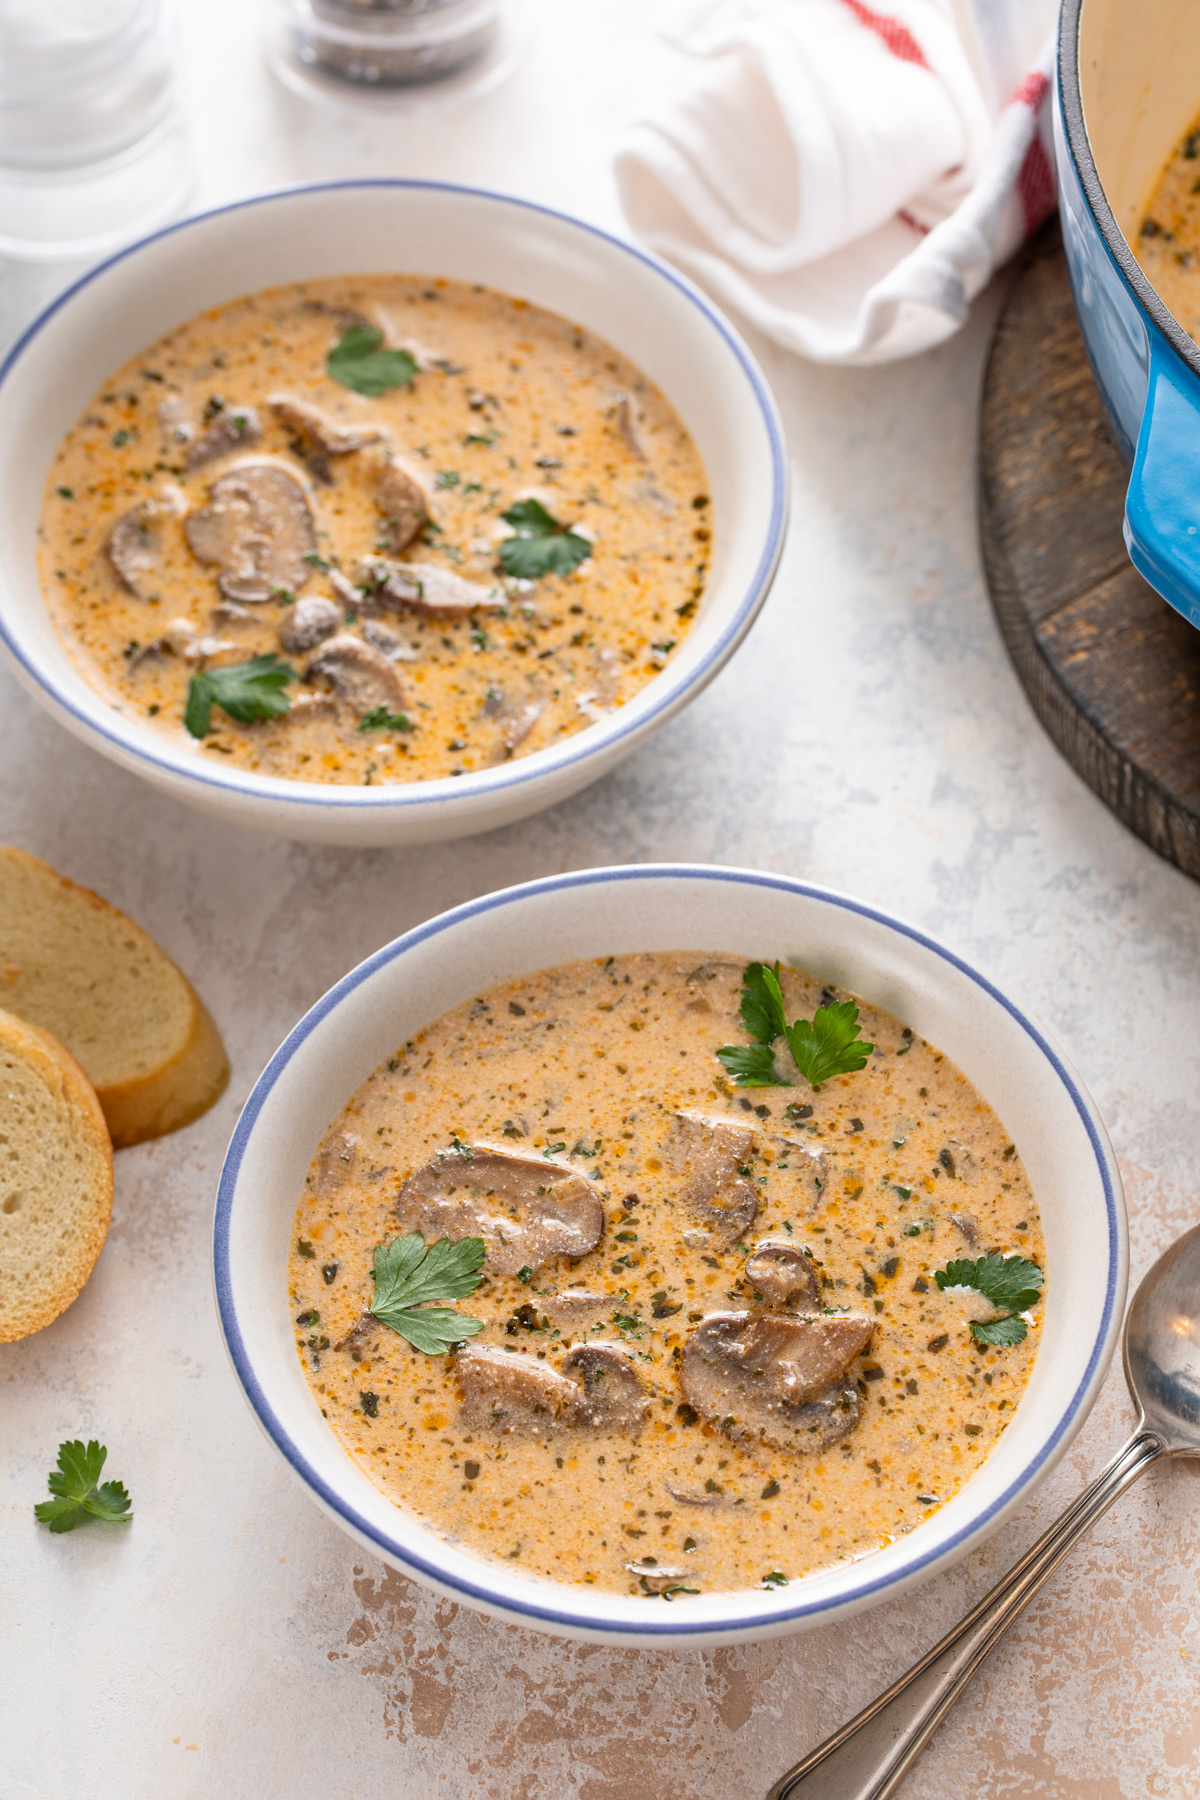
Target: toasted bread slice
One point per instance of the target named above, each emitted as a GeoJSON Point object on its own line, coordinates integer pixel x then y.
{"type": "Point", "coordinates": [56, 1178]}
{"type": "Point", "coordinates": [80, 969]}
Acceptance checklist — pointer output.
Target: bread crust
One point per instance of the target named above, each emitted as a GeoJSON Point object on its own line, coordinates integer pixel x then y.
{"type": "Point", "coordinates": [179, 1089]}
{"type": "Point", "coordinates": [174, 1095]}
{"type": "Point", "coordinates": [72, 1267]}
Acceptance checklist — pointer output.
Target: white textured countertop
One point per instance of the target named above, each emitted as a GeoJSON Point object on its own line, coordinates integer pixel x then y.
{"type": "Point", "coordinates": [870, 735]}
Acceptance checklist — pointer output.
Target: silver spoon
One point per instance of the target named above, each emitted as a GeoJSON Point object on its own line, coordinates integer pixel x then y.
{"type": "Point", "coordinates": [869, 1758]}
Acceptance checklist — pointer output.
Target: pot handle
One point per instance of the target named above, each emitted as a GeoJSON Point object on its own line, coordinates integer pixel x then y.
{"type": "Point", "coordinates": [1162, 505]}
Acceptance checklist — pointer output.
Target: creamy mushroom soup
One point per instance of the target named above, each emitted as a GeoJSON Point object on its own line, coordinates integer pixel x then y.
{"type": "Point", "coordinates": [1168, 240]}
{"type": "Point", "coordinates": [701, 1339]}
{"type": "Point", "coordinates": [370, 530]}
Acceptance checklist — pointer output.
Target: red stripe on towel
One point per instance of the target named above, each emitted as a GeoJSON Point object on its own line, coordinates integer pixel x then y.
{"type": "Point", "coordinates": [1032, 91]}
{"type": "Point", "coordinates": [898, 38]}
{"type": "Point", "coordinates": [1035, 186]}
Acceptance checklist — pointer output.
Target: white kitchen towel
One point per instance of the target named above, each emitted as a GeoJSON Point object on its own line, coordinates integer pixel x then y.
{"type": "Point", "coordinates": [848, 178]}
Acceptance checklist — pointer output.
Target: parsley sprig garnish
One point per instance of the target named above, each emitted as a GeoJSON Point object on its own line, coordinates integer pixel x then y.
{"type": "Point", "coordinates": [541, 545]}
{"type": "Point", "coordinates": [246, 691]}
{"type": "Point", "coordinates": [1010, 1281]}
{"type": "Point", "coordinates": [408, 1274]}
{"type": "Point", "coordinates": [357, 361]}
{"type": "Point", "coordinates": [78, 1493]}
{"type": "Point", "coordinates": [825, 1046]}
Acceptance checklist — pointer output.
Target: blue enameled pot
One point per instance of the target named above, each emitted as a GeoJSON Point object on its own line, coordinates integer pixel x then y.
{"type": "Point", "coordinates": [1128, 92]}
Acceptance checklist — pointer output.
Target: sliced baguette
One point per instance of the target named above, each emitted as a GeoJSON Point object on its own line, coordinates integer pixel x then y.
{"type": "Point", "coordinates": [80, 969]}
{"type": "Point", "coordinates": [56, 1178]}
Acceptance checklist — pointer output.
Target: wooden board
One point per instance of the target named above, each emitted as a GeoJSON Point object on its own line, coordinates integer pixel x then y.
{"type": "Point", "coordinates": [1112, 671]}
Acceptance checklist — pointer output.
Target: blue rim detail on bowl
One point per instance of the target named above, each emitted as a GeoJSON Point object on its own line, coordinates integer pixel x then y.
{"type": "Point", "coordinates": [550, 1613]}
{"type": "Point", "coordinates": [544, 762]}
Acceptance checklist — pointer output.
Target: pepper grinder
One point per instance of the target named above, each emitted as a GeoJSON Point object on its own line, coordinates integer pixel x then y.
{"type": "Point", "coordinates": [385, 51]}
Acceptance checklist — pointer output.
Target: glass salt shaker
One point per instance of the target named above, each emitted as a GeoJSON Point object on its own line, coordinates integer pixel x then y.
{"type": "Point", "coordinates": [93, 146]}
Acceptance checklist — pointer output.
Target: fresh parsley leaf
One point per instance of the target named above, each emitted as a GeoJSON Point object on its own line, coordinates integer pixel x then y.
{"type": "Point", "coordinates": [1010, 1329]}
{"type": "Point", "coordinates": [827, 1045]}
{"type": "Point", "coordinates": [409, 1273]}
{"type": "Point", "coordinates": [531, 517]}
{"type": "Point", "coordinates": [541, 545]}
{"type": "Point", "coordinates": [762, 1002]}
{"type": "Point", "coordinates": [110, 1502]}
{"type": "Point", "coordinates": [830, 1044]}
{"type": "Point", "coordinates": [1010, 1281]}
{"type": "Point", "coordinates": [751, 1065]}
{"type": "Point", "coordinates": [78, 1491]}
{"type": "Point", "coordinates": [357, 362]}
{"type": "Point", "coordinates": [380, 719]}
{"type": "Point", "coordinates": [433, 1329]}
{"type": "Point", "coordinates": [246, 691]}
{"type": "Point", "coordinates": [59, 1515]}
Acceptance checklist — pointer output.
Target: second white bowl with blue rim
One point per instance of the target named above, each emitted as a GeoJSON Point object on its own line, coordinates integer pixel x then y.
{"type": "Point", "coordinates": [648, 311]}
{"type": "Point", "coordinates": [1013, 1062]}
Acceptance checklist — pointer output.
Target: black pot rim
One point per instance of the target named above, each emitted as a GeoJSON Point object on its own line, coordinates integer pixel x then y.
{"type": "Point", "coordinates": [1071, 101]}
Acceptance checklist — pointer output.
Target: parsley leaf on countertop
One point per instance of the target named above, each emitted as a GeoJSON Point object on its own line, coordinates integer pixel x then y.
{"type": "Point", "coordinates": [827, 1045]}
{"type": "Point", "coordinates": [1011, 1281]}
{"type": "Point", "coordinates": [246, 691]}
{"type": "Point", "coordinates": [541, 546]}
{"type": "Point", "coordinates": [77, 1492]}
{"type": "Point", "coordinates": [408, 1273]}
{"type": "Point", "coordinates": [358, 363]}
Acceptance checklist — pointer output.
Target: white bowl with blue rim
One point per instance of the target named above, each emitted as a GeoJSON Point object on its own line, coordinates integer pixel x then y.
{"type": "Point", "coordinates": [1016, 1066]}
{"type": "Point", "coordinates": [1128, 91]}
{"type": "Point", "coordinates": [652, 314]}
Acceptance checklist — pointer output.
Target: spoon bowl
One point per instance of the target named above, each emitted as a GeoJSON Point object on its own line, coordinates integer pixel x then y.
{"type": "Point", "coordinates": [1162, 1347]}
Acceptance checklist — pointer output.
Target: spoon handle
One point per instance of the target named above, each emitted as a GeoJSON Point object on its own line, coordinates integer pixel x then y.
{"type": "Point", "coordinates": [868, 1758]}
